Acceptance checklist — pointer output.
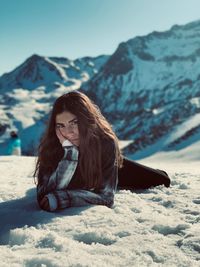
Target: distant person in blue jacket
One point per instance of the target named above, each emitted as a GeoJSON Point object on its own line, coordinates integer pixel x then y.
{"type": "Point", "coordinates": [14, 144]}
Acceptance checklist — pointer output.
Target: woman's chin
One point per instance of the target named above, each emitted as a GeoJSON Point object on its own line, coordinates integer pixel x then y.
{"type": "Point", "coordinates": [75, 142]}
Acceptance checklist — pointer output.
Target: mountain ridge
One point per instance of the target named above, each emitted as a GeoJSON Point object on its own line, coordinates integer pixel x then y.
{"type": "Point", "coordinates": [155, 89]}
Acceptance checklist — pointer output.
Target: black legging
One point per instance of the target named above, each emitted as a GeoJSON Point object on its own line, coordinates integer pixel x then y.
{"type": "Point", "coordinates": [137, 176]}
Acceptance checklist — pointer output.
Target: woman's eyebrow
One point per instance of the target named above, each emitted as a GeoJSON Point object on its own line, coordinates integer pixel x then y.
{"type": "Point", "coordinates": [61, 123]}
{"type": "Point", "coordinates": [74, 119]}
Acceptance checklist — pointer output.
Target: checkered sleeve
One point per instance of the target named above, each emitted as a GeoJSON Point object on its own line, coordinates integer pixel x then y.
{"type": "Point", "coordinates": [60, 178]}
{"type": "Point", "coordinates": [60, 199]}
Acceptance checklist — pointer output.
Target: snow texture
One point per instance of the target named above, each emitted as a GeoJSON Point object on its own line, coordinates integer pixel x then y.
{"type": "Point", "coordinates": [154, 227]}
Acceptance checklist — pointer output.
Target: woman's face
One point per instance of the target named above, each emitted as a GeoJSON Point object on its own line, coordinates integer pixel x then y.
{"type": "Point", "coordinates": [67, 124]}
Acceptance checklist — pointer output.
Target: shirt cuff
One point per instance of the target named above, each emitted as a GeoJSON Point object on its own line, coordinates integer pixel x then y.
{"type": "Point", "coordinates": [67, 143]}
{"type": "Point", "coordinates": [52, 202]}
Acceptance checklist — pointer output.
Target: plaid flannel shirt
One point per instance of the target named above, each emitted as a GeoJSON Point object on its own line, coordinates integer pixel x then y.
{"type": "Point", "coordinates": [55, 186]}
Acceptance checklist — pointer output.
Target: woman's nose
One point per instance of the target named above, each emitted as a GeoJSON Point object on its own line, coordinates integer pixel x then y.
{"type": "Point", "coordinates": [67, 129]}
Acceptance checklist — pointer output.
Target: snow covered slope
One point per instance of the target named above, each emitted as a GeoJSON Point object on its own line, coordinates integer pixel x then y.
{"type": "Point", "coordinates": [181, 138]}
{"type": "Point", "coordinates": [154, 227]}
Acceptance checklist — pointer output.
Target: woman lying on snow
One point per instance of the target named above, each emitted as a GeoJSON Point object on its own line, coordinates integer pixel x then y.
{"type": "Point", "coordinates": [79, 161]}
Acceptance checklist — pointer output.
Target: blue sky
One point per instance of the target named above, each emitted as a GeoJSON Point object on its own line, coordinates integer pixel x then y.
{"type": "Point", "coordinates": [77, 28]}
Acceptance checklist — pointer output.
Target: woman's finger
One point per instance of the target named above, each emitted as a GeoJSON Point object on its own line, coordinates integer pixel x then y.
{"type": "Point", "coordinates": [44, 203]}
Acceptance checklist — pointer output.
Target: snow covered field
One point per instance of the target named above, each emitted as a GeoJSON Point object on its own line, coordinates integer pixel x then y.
{"type": "Point", "coordinates": [155, 227]}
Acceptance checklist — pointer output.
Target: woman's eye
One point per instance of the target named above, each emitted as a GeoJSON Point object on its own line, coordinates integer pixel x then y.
{"type": "Point", "coordinates": [74, 122]}
{"type": "Point", "coordinates": [58, 126]}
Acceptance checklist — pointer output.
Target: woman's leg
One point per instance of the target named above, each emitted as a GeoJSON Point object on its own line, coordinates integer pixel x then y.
{"type": "Point", "coordinates": [137, 176]}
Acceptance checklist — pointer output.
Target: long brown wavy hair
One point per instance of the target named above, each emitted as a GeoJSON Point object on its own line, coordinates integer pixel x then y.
{"type": "Point", "coordinates": [92, 128]}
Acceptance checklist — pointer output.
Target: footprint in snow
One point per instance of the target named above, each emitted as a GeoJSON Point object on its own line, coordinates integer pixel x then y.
{"type": "Point", "coordinates": [90, 238]}
{"type": "Point", "coordinates": [196, 201]}
{"type": "Point", "coordinates": [170, 230]}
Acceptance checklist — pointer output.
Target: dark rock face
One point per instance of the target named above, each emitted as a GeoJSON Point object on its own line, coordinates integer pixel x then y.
{"type": "Point", "coordinates": [119, 63]}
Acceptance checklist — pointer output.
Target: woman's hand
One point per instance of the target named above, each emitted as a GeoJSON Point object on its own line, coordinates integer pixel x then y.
{"type": "Point", "coordinates": [44, 203]}
{"type": "Point", "coordinates": [61, 137]}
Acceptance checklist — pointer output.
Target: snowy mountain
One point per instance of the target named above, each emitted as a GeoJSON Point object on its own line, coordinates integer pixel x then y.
{"type": "Point", "coordinates": [149, 89]}
{"type": "Point", "coordinates": [152, 88]}
{"type": "Point", "coordinates": [47, 71]}
{"type": "Point", "coordinates": [27, 94]}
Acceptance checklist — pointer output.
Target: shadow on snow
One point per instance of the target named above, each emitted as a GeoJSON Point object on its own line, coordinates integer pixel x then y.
{"type": "Point", "coordinates": [18, 213]}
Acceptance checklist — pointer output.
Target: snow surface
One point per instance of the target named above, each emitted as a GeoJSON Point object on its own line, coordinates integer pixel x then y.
{"type": "Point", "coordinates": [154, 227]}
